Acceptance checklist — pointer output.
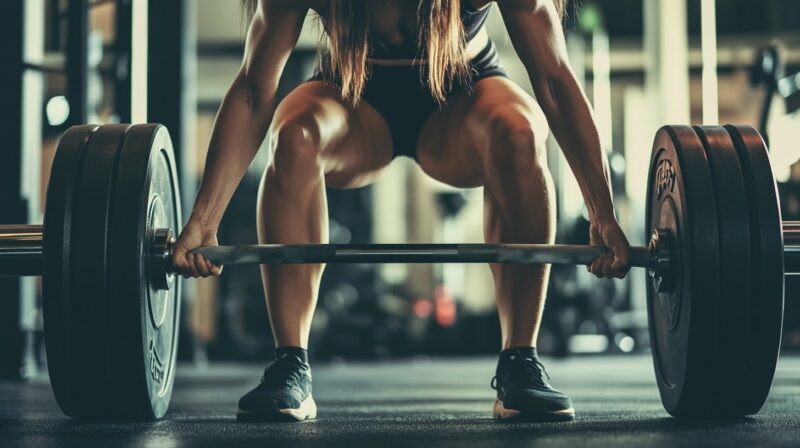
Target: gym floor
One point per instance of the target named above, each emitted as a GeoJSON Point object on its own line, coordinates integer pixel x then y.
{"type": "Point", "coordinates": [438, 403]}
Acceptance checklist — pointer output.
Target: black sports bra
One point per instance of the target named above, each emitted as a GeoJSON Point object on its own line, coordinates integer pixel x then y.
{"type": "Point", "coordinates": [472, 18]}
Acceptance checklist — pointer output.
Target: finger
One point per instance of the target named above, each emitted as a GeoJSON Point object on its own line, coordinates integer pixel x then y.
{"type": "Point", "coordinates": [180, 267]}
{"type": "Point", "coordinates": [622, 263]}
{"type": "Point", "coordinates": [598, 269]}
{"type": "Point", "coordinates": [611, 272]}
{"type": "Point", "coordinates": [595, 266]}
{"type": "Point", "coordinates": [608, 261]}
{"type": "Point", "coordinates": [215, 270]}
{"type": "Point", "coordinates": [196, 267]}
{"type": "Point", "coordinates": [193, 272]}
{"type": "Point", "coordinates": [177, 257]}
{"type": "Point", "coordinates": [205, 265]}
{"type": "Point", "coordinates": [202, 265]}
{"type": "Point", "coordinates": [210, 266]}
{"type": "Point", "coordinates": [620, 267]}
{"type": "Point", "coordinates": [622, 258]}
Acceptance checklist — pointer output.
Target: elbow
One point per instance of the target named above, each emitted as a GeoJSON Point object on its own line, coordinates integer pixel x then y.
{"type": "Point", "coordinates": [548, 97]}
{"type": "Point", "coordinates": [552, 92]}
{"type": "Point", "coordinates": [253, 92]}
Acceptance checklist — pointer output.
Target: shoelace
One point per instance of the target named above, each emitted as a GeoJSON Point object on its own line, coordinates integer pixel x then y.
{"type": "Point", "coordinates": [524, 372]}
{"type": "Point", "coordinates": [284, 372]}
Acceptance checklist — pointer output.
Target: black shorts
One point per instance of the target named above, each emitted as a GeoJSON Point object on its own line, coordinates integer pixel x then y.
{"type": "Point", "coordinates": [401, 96]}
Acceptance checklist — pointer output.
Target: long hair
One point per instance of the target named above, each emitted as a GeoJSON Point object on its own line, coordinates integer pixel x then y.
{"type": "Point", "coordinates": [440, 31]}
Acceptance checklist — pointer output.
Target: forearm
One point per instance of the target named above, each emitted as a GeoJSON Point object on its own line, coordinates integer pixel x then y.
{"type": "Point", "coordinates": [534, 27]}
{"type": "Point", "coordinates": [572, 124]}
{"type": "Point", "coordinates": [239, 131]}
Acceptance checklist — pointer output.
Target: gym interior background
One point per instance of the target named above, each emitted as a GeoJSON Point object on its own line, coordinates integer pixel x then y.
{"type": "Point", "coordinates": [643, 63]}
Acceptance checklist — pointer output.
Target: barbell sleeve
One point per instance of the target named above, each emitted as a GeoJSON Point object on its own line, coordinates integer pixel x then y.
{"type": "Point", "coordinates": [791, 247]}
{"type": "Point", "coordinates": [21, 250]}
{"type": "Point", "coordinates": [413, 253]}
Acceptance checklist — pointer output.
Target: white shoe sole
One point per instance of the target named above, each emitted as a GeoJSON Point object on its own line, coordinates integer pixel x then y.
{"type": "Point", "coordinates": [306, 411]}
{"type": "Point", "coordinates": [501, 413]}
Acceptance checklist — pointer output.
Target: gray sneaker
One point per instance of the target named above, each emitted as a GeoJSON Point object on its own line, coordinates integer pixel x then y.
{"type": "Point", "coordinates": [523, 393]}
{"type": "Point", "coordinates": [284, 394]}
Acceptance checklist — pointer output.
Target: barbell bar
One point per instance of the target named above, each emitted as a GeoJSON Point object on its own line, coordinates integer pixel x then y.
{"type": "Point", "coordinates": [21, 252]}
{"type": "Point", "coordinates": [717, 255]}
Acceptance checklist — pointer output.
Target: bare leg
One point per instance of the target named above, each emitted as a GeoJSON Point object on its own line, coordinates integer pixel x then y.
{"type": "Point", "coordinates": [495, 138]}
{"type": "Point", "coordinates": [519, 208]}
{"type": "Point", "coordinates": [316, 140]}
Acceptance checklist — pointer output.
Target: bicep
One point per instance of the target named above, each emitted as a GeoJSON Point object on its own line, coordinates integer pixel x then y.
{"type": "Point", "coordinates": [534, 27]}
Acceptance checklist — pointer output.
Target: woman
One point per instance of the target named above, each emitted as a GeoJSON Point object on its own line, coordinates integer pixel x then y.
{"type": "Point", "coordinates": [418, 79]}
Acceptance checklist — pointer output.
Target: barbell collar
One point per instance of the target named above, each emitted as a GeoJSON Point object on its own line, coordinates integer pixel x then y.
{"type": "Point", "coordinates": [162, 242]}
{"type": "Point", "coordinates": [662, 262]}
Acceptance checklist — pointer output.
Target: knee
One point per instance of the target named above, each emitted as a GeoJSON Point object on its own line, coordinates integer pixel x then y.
{"type": "Point", "coordinates": [296, 146]}
{"type": "Point", "coordinates": [513, 145]}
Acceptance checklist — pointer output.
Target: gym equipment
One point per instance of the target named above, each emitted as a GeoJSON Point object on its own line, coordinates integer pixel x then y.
{"type": "Point", "coordinates": [709, 197]}
{"type": "Point", "coordinates": [716, 258]}
{"type": "Point", "coordinates": [110, 319]}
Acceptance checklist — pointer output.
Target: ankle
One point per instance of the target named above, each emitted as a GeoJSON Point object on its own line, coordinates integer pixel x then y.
{"type": "Point", "coordinates": [521, 351]}
{"type": "Point", "coordinates": [298, 352]}
{"type": "Point", "coordinates": [508, 356]}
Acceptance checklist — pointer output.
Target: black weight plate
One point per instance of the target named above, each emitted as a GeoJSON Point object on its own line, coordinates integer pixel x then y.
{"type": "Point", "coordinates": [760, 354]}
{"type": "Point", "coordinates": [146, 198]}
{"type": "Point", "coordinates": [680, 198]}
{"type": "Point", "coordinates": [91, 287]}
{"type": "Point", "coordinates": [733, 308]}
{"type": "Point", "coordinates": [57, 298]}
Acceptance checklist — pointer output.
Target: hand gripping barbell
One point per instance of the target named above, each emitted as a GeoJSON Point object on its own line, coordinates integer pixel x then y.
{"type": "Point", "coordinates": [716, 258]}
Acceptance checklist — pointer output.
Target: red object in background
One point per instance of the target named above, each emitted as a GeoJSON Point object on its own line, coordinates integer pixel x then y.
{"type": "Point", "coordinates": [422, 308]}
{"type": "Point", "coordinates": [445, 307]}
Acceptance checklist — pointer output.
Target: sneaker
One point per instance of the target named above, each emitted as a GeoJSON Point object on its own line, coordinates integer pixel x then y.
{"type": "Point", "coordinates": [284, 394]}
{"type": "Point", "coordinates": [523, 394]}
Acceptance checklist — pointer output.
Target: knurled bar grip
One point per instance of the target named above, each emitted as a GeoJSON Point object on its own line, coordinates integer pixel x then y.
{"type": "Point", "coordinates": [413, 253]}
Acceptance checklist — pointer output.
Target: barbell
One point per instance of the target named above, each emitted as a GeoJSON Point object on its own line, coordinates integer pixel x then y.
{"type": "Point", "coordinates": [716, 258]}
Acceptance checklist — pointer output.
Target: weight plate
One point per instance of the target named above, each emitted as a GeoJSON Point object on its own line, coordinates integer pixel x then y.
{"type": "Point", "coordinates": [760, 354]}
{"type": "Point", "coordinates": [680, 199]}
{"type": "Point", "coordinates": [732, 329]}
{"type": "Point", "coordinates": [146, 198]}
{"type": "Point", "coordinates": [91, 288]}
{"type": "Point", "coordinates": [57, 269]}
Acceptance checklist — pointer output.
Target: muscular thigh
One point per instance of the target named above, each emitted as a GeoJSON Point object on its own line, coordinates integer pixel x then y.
{"type": "Point", "coordinates": [355, 144]}
{"type": "Point", "coordinates": [455, 139]}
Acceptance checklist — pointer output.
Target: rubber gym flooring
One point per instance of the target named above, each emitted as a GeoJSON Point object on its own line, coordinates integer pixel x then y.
{"type": "Point", "coordinates": [419, 403]}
